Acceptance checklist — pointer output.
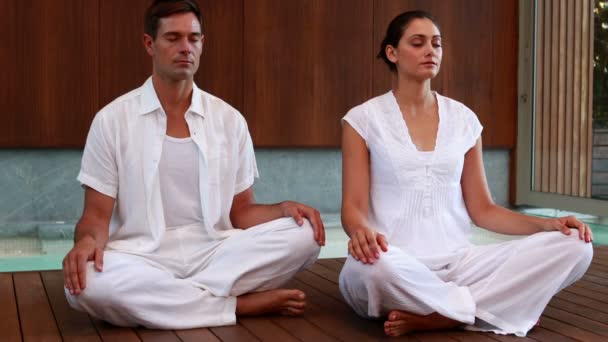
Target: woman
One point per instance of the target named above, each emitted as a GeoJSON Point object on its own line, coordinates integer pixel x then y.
{"type": "Point", "coordinates": [413, 180]}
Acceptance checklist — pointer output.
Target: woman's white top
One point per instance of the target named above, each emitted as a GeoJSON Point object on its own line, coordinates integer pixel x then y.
{"type": "Point", "coordinates": [416, 197]}
{"type": "Point", "coordinates": [179, 182]}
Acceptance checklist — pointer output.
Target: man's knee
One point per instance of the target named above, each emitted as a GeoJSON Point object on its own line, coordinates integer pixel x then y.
{"type": "Point", "coordinates": [99, 292]}
{"type": "Point", "coordinates": [302, 243]}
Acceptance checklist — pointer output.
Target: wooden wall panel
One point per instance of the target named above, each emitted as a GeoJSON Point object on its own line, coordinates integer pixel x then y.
{"type": "Point", "coordinates": [479, 65]}
{"type": "Point", "coordinates": [563, 109]}
{"type": "Point", "coordinates": [124, 64]}
{"type": "Point", "coordinates": [306, 63]}
{"type": "Point", "coordinates": [293, 68]}
{"type": "Point", "coordinates": [50, 60]}
{"type": "Point", "coordinates": [221, 69]}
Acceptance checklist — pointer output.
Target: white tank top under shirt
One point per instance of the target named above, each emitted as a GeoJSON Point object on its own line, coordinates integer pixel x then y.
{"type": "Point", "coordinates": [179, 182]}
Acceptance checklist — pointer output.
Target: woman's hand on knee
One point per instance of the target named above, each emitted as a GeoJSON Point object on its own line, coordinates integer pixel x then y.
{"type": "Point", "coordinates": [564, 224]}
{"type": "Point", "coordinates": [365, 245]}
{"type": "Point", "coordinates": [75, 264]}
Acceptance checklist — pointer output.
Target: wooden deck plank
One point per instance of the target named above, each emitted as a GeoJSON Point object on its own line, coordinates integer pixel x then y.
{"type": "Point", "coordinates": [596, 273]}
{"type": "Point", "coordinates": [569, 330]}
{"type": "Point", "coordinates": [581, 291]}
{"type": "Point", "coordinates": [314, 278]}
{"type": "Point", "coordinates": [469, 336]}
{"type": "Point", "coordinates": [154, 335]}
{"type": "Point", "coordinates": [591, 286]}
{"type": "Point", "coordinates": [302, 328]}
{"type": "Point", "coordinates": [264, 329]}
{"type": "Point", "coordinates": [197, 335]}
{"type": "Point", "coordinates": [325, 272]}
{"type": "Point", "coordinates": [595, 279]}
{"type": "Point", "coordinates": [581, 300]}
{"type": "Point", "coordinates": [331, 264]}
{"type": "Point", "coordinates": [9, 318]}
{"type": "Point", "coordinates": [109, 332]}
{"type": "Point", "coordinates": [545, 335]}
{"type": "Point", "coordinates": [599, 259]}
{"type": "Point", "coordinates": [234, 333]}
{"type": "Point", "coordinates": [580, 310]}
{"type": "Point", "coordinates": [597, 267]}
{"type": "Point", "coordinates": [73, 325]}
{"type": "Point", "coordinates": [576, 320]}
{"type": "Point", "coordinates": [512, 338]}
{"type": "Point", "coordinates": [328, 288]}
{"type": "Point", "coordinates": [36, 316]}
{"type": "Point", "coordinates": [432, 337]}
{"type": "Point", "coordinates": [335, 318]}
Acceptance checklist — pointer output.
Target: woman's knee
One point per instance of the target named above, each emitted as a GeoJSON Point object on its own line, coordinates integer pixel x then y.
{"type": "Point", "coordinates": [388, 266]}
{"type": "Point", "coordinates": [570, 247]}
{"type": "Point", "coordinates": [579, 250]}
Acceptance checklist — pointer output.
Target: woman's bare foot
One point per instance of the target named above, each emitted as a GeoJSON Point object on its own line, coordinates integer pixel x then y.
{"type": "Point", "coordinates": [282, 301]}
{"type": "Point", "coordinates": [401, 322]}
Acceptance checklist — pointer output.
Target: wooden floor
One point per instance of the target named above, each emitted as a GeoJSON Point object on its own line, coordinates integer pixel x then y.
{"type": "Point", "coordinates": [33, 308]}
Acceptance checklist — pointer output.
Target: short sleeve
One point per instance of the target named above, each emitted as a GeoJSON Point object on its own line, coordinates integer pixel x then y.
{"type": "Point", "coordinates": [98, 168]}
{"type": "Point", "coordinates": [474, 128]}
{"type": "Point", "coordinates": [358, 120]}
{"type": "Point", "coordinates": [247, 169]}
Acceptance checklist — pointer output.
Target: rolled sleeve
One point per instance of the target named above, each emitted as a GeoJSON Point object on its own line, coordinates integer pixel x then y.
{"type": "Point", "coordinates": [98, 168]}
{"type": "Point", "coordinates": [247, 170]}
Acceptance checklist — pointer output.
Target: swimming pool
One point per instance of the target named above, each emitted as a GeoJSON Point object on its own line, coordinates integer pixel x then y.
{"type": "Point", "coordinates": [42, 246]}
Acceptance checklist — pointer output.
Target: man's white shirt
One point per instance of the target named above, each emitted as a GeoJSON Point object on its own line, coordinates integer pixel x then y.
{"type": "Point", "coordinates": [122, 154]}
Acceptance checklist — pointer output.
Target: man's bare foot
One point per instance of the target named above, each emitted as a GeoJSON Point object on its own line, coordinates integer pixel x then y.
{"type": "Point", "coordinates": [401, 322]}
{"type": "Point", "coordinates": [282, 301]}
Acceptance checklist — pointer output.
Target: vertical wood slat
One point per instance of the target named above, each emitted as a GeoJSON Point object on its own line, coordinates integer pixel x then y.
{"type": "Point", "coordinates": [584, 102]}
{"type": "Point", "coordinates": [546, 97]}
{"type": "Point", "coordinates": [577, 97]}
{"type": "Point", "coordinates": [554, 92]}
{"type": "Point", "coordinates": [539, 109]}
{"type": "Point", "coordinates": [563, 125]}
{"type": "Point", "coordinates": [590, 138]}
{"type": "Point", "coordinates": [569, 98]}
{"type": "Point", "coordinates": [561, 97]}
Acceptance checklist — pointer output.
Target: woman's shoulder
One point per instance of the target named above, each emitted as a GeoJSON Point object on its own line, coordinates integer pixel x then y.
{"type": "Point", "coordinates": [378, 104]}
{"type": "Point", "coordinates": [451, 105]}
{"type": "Point", "coordinates": [455, 111]}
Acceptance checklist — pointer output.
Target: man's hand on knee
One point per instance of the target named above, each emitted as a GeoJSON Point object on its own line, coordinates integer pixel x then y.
{"type": "Point", "coordinates": [300, 211]}
{"type": "Point", "coordinates": [75, 263]}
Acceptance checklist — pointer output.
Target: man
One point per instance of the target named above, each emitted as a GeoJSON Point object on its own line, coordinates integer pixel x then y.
{"type": "Point", "coordinates": [171, 236]}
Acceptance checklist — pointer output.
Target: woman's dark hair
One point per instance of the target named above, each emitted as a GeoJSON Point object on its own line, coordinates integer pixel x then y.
{"type": "Point", "coordinates": [164, 8]}
{"type": "Point", "coordinates": [395, 30]}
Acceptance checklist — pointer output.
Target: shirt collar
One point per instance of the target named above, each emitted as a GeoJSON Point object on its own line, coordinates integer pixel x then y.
{"type": "Point", "coordinates": [150, 102]}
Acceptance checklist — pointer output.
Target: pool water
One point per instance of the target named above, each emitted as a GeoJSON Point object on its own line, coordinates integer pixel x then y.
{"type": "Point", "coordinates": [45, 250]}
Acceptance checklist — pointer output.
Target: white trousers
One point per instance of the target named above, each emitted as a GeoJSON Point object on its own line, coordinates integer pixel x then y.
{"type": "Point", "coordinates": [193, 281]}
{"type": "Point", "coordinates": [502, 288]}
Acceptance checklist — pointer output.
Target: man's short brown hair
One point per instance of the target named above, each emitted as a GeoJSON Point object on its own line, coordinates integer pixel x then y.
{"type": "Point", "coordinates": [164, 8]}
